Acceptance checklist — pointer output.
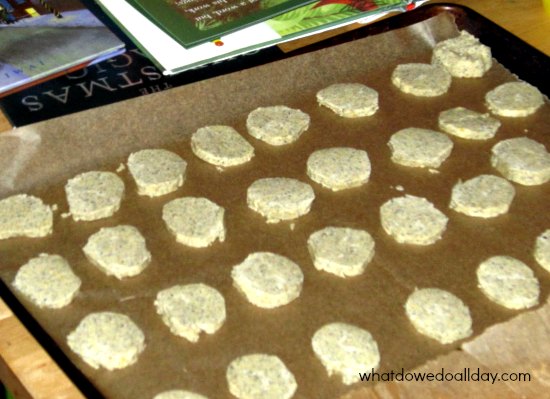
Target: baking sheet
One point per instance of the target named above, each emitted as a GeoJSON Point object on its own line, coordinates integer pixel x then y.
{"type": "Point", "coordinates": [39, 158]}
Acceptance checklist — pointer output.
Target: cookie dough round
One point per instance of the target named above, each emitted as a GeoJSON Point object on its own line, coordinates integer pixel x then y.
{"type": "Point", "coordinates": [24, 215]}
{"type": "Point", "coordinates": [542, 250]}
{"type": "Point", "coordinates": [339, 168]}
{"type": "Point", "coordinates": [350, 100]}
{"type": "Point", "coordinates": [514, 99]}
{"type": "Point", "coordinates": [118, 251]}
{"type": "Point", "coordinates": [467, 124]}
{"type": "Point", "coordinates": [439, 314]}
{"type": "Point", "coordinates": [191, 309]}
{"type": "Point", "coordinates": [342, 251]}
{"type": "Point", "coordinates": [178, 394]}
{"type": "Point", "coordinates": [221, 146]}
{"type": "Point", "coordinates": [279, 198]}
{"type": "Point", "coordinates": [156, 171]}
{"type": "Point", "coordinates": [421, 148]}
{"type": "Point", "coordinates": [412, 220]}
{"type": "Point", "coordinates": [346, 350]}
{"type": "Point", "coordinates": [260, 375]}
{"type": "Point", "coordinates": [463, 56]}
{"type": "Point", "coordinates": [94, 195]}
{"type": "Point", "coordinates": [277, 125]}
{"type": "Point", "coordinates": [195, 221]}
{"type": "Point", "coordinates": [423, 80]}
{"type": "Point", "coordinates": [268, 280]}
{"type": "Point", "coordinates": [47, 281]}
{"type": "Point", "coordinates": [107, 339]}
{"type": "Point", "coordinates": [522, 160]}
{"type": "Point", "coordinates": [483, 196]}
{"type": "Point", "coordinates": [508, 282]}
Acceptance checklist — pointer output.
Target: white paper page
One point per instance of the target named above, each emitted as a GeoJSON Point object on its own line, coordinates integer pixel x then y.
{"type": "Point", "coordinates": [169, 53]}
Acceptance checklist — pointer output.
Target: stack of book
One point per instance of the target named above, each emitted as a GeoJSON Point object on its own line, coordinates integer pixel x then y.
{"type": "Point", "coordinates": [43, 39]}
{"type": "Point", "coordinates": [178, 35]}
{"type": "Point", "coordinates": [158, 55]}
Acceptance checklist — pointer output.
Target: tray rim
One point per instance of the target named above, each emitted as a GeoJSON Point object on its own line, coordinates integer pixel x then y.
{"type": "Point", "coordinates": [510, 55]}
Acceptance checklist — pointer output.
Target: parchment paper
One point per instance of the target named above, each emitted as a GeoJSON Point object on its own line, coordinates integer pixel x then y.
{"type": "Point", "coordinates": [39, 159]}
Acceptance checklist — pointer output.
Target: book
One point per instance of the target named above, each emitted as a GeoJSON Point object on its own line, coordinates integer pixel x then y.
{"type": "Point", "coordinates": [172, 58]}
{"type": "Point", "coordinates": [192, 22]}
{"type": "Point", "coordinates": [40, 43]}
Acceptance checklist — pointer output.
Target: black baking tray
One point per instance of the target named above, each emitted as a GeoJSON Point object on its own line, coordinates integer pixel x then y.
{"type": "Point", "coordinates": [523, 60]}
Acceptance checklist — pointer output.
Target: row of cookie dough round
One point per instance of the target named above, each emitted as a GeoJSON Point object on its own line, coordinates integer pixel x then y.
{"type": "Point", "coordinates": [465, 56]}
{"type": "Point", "coordinates": [277, 125]}
{"type": "Point", "coordinates": [415, 220]}
{"type": "Point", "coordinates": [95, 194]}
{"type": "Point", "coordinates": [113, 341]}
{"type": "Point", "coordinates": [198, 222]}
{"type": "Point", "coordinates": [510, 99]}
{"type": "Point", "coordinates": [342, 348]}
{"type": "Point", "coordinates": [265, 279]}
{"type": "Point", "coordinates": [223, 146]}
{"type": "Point", "coordinates": [520, 159]}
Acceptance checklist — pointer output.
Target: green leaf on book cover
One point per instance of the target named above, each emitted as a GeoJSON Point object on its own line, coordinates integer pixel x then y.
{"type": "Point", "coordinates": [311, 18]}
{"type": "Point", "coordinates": [271, 3]}
{"type": "Point", "coordinates": [309, 11]}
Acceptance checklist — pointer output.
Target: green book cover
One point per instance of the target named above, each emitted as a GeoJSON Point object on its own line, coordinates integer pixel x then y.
{"type": "Point", "coordinates": [192, 22]}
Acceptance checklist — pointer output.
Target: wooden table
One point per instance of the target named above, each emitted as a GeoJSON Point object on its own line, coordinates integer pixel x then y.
{"type": "Point", "coordinates": [28, 371]}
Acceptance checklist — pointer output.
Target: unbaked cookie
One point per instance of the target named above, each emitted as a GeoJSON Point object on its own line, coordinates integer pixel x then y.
{"type": "Point", "coordinates": [463, 56]}
{"type": "Point", "coordinates": [423, 80]}
{"type": "Point", "coordinates": [94, 195]}
{"type": "Point", "coordinates": [439, 314]}
{"type": "Point", "coordinates": [107, 339]}
{"type": "Point", "coordinates": [467, 124]}
{"type": "Point", "coordinates": [178, 394]}
{"type": "Point", "coordinates": [156, 171]}
{"type": "Point", "coordinates": [514, 99]}
{"type": "Point", "coordinates": [421, 148]}
{"type": "Point", "coordinates": [542, 250]}
{"type": "Point", "coordinates": [191, 309]}
{"type": "Point", "coordinates": [508, 282]}
{"type": "Point", "coordinates": [47, 281]}
{"type": "Point", "coordinates": [412, 220]}
{"type": "Point", "coordinates": [118, 251]}
{"type": "Point", "coordinates": [350, 100]}
{"type": "Point", "coordinates": [279, 198]}
{"type": "Point", "coordinates": [522, 160]}
{"type": "Point", "coordinates": [277, 125]}
{"type": "Point", "coordinates": [260, 376]}
{"type": "Point", "coordinates": [339, 168]}
{"type": "Point", "coordinates": [196, 222]}
{"type": "Point", "coordinates": [23, 215]}
{"type": "Point", "coordinates": [342, 251]}
{"type": "Point", "coordinates": [221, 146]}
{"type": "Point", "coordinates": [268, 280]}
{"type": "Point", "coordinates": [483, 196]}
{"type": "Point", "coordinates": [346, 350]}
